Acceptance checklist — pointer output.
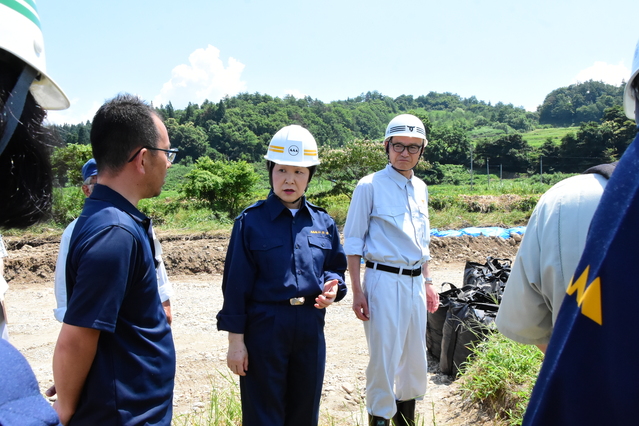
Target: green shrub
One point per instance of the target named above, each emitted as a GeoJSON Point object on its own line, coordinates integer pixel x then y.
{"type": "Point", "coordinates": [442, 201]}
{"type": "Point", "coordinates": [526, 204]}
{"type": "Point", "coordinates": [446, 174]}
{"type": "Point", "coordinates": [159, 209]}
{"type": "Point", "coordinates": [67, 204]}
{"type": "Point", "coordinates": [501, 376]}
{"type": "Point", "coordinates": [226, 185]}
{"type": "Point", "coordinates": [335, 205]}
{"type": "Point", "coordinates": [67, 162]}
{"type": "Point", "coordinates": [551, 178]}
{"type": "Point", "coordinates": [175, 177]}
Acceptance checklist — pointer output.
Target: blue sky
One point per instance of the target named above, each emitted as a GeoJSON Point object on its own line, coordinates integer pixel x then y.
{"type": "Point", "coordinates": [497, 50]}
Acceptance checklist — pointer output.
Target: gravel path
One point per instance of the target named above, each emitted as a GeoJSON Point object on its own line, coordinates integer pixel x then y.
{"type": "Point", "coordinates": [201, 349]}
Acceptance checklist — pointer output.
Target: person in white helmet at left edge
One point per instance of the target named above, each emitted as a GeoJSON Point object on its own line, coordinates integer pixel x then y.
{"type": "Point", "coordinates": [25, 173]}
{"type": "Point", "coordinates": [26, 91]}
{"type": "Point", "coordinates": [284, 265]}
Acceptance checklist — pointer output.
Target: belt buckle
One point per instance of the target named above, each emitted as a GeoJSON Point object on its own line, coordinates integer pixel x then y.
{"type": "Point", "coordinates": [297, 301]}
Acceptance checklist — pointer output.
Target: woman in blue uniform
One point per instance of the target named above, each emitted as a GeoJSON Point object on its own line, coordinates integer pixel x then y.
{"type": "Point", "coordinates": [284, 266]}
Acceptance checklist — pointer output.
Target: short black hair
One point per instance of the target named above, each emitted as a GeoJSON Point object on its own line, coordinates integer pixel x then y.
{"type": "Point", "coordinates": [121, 125]}
{"type": "Point", "coordinates": [25, 167]}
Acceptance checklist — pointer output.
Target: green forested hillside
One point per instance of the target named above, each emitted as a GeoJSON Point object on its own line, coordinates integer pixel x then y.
{"type": "Point", "coordinates": [579, 103]}
{"type": "Point", "coordinates": [460, 130]}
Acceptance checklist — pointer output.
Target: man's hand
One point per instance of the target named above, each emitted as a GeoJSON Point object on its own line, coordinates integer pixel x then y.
{"type": "Point", "coordinates": [325, 299]}
{"type": "Point", "coordinates": [432, 298]}
{"type": "Point", "coordinates": [50, 392]}
{"type": "Point", "coordinates": [167, 310]}
{"type": "Point", "coordinates": [360, 306]}
{"type": "Point", "coordinates": [72, 359]}
{"type": "Point", "coordinates": [237, 356]}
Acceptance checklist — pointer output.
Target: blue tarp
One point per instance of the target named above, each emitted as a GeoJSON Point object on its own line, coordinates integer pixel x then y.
{"type": "Point", "coordinates": [492, 231]}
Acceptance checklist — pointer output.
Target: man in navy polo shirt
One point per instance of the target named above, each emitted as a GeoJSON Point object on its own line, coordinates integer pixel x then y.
{"type": "Point", "coordinates": [114, 362]}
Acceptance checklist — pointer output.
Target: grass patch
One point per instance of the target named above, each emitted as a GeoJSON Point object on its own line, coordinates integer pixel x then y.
{"type": "Point", "coordinates": [537, 137]}
{"type": "Point", "coordinates": [224, 407]}
{"type": "Point", "coordinates": [501, 376]}
{"type": "Point", "coordinates": [458, 217]}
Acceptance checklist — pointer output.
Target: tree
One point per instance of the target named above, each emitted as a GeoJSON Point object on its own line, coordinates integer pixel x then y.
{"type": "Point", "coordinates": [448, 145]}
{"type": "Point", "coordinates": [67, 163]}
{"type": "Point", "coordinates": [225, 185]}
{"type": "Point", "coordinates": [579, 103]}
{"type": "Point", "coordinates": [596, 143]}
{"type": "Point", "coordinates": [511, 151]}
{"type": "Point", "coordinates": [345, 165]}
{"type": "Point", "coordinates": [191, 140]}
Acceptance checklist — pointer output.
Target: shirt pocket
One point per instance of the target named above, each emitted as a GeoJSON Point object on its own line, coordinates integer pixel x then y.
{"type": "Point", "coordinates": [391, 214]}
{"type": "Point", "coordinates": [320, 246]}
{"type": "Point", "coordinates": [269, 255]}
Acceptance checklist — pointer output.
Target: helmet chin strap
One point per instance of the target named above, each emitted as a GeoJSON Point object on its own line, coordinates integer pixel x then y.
{"type": "Point", "coordinates": [292, 202]}
{"type": "Point", "coordinates": [12, 109]}
{"type": "Point", "coordinates": [401, 170]}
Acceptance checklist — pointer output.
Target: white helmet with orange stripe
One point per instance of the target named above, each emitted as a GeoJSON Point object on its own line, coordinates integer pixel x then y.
{"type": "Point", "coordinates": [293, 146]}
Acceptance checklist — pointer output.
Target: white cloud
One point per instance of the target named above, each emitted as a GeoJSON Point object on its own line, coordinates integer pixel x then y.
{"type": "Point", "coordinates": [77, 113]}
{"type": "Point", "coordinates": [295, 93]}
{"type": "Point", "coordinates": [601, 71]}
{"type": "Point", "coordinates": [205, 77]}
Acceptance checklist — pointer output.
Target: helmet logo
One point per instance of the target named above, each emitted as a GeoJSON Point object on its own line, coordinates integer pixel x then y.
{"type": "Point", "coordinates": [293, 150]}
{"type": "Point", "coordinates": [411, 128]}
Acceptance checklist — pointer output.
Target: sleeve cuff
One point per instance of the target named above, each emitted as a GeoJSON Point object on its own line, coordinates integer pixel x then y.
{"type": "Point", "coordinates": [354, 246]}
{"type": "Point", "coordinates": [231, 323]}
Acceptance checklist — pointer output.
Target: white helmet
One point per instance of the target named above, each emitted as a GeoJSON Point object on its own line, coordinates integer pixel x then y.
{"type": "Point", "coordinates": [20, 35]}
{"type": "Point", "coordinates": [629, 94]}
{"type": "Point", "coordinates": [406, 125]}
{"type": "Point", "coordinates": [293, 146]}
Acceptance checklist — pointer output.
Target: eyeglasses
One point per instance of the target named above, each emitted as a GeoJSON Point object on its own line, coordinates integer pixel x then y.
{"type": "Point", "coordinates": [399, 148]}
{"type": "Point", "coordinates": [170, 153]}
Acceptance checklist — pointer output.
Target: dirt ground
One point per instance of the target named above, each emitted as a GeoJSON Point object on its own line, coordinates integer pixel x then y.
{"type": "Point", "coordinates": [194, 263]}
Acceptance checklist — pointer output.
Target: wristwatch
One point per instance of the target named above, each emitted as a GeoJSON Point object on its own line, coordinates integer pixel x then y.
{"type": "Point", "coordinates": [428, 280]}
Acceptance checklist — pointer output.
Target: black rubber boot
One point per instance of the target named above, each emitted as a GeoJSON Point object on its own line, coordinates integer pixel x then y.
{"type": "Point", "coordinates": [377, 421]}
{"type": "Point", "coordinates": [405, 415]}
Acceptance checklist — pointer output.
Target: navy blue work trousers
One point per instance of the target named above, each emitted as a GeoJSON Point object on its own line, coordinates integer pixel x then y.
{"type": "Point", "coordinates": [287, 356]}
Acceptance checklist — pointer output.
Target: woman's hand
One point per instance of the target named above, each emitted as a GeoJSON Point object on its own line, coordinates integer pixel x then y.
{"type": "Point", "coordinates": [237, 356]}
{"type": "Point", "coordinates": [325, 299]}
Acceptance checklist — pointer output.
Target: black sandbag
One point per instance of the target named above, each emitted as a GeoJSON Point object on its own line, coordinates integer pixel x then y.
{"type": "Point", "coordinates": [465, 325]}
{"type": "Point", "coordinates": [490, 277]}
{"type": "Point", "coordinates": [435, 320]}
{"type": "Point", "coordinates": [474, 273]}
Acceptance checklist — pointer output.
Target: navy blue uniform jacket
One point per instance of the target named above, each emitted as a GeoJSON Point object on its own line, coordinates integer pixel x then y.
{"type": "Point", "coordinates": [273, 256]}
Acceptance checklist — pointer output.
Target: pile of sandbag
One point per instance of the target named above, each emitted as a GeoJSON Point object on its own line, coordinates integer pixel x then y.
{"type": "Point", "coordinates": [466, 314]}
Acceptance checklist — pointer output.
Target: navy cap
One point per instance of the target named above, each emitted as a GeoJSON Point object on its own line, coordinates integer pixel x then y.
{"type": "Point", "coordinates": [89, 169]}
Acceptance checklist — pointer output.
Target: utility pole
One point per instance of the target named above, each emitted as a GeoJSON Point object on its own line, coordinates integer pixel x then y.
{"type": "Point", "coordinates": [488, 170]}
{"type": "Point", "coordinates": [541, 169]}
{"type": "Point", "coordinates": [471, 169]}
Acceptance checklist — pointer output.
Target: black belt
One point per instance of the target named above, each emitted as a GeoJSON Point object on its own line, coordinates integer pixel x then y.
{"type": "Point", "coordinates": [394, 270]}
